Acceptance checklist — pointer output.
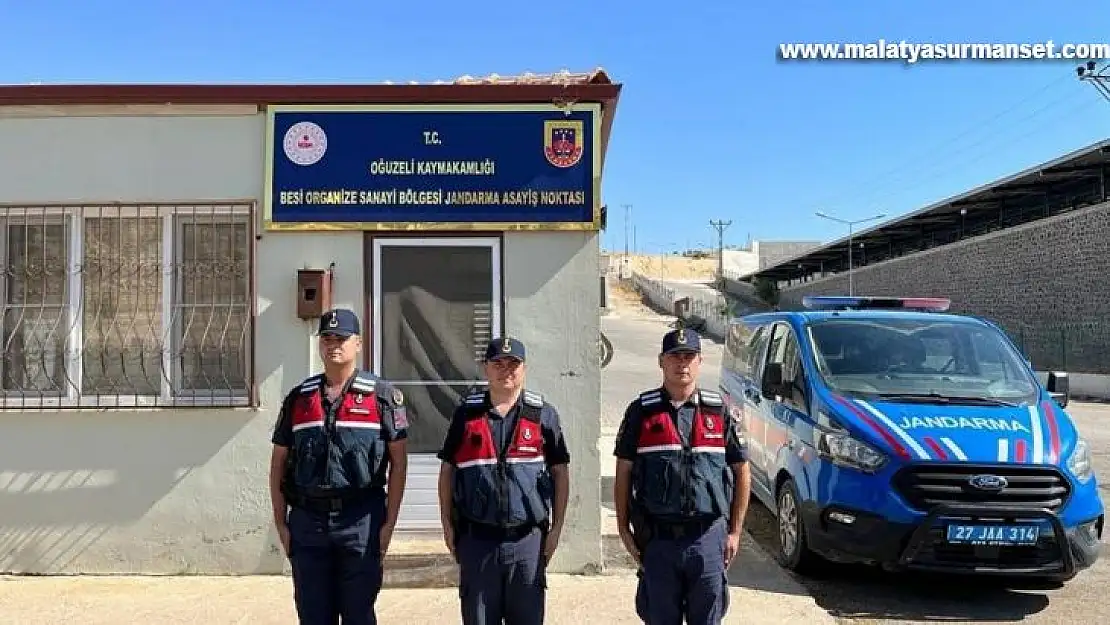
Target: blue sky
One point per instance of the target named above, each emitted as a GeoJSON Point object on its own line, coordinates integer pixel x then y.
{"type": "Point", "coordinates": [710, 124]}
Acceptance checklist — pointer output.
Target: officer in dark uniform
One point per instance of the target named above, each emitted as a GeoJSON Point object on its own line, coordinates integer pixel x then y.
{"type": "Point", "coordinates": [503, 489]}
{"type": "Point", "coordinates": [339, 447]}
{"type": "Point", "coordinates": [681, 491]}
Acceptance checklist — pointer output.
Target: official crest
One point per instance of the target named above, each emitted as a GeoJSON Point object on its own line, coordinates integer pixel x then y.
{"type": "Point", "coordinates": [563, 142]}
{"type": "Point", "coordinates": [305, 143]}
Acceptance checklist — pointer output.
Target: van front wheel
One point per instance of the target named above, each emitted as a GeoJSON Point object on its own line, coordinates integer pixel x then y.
{"type": "Point", "coordinates": [793, 545]}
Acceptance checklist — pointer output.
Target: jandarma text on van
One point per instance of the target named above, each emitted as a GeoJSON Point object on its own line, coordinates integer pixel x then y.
{"type": "Point", "coordinates": [911, 52]}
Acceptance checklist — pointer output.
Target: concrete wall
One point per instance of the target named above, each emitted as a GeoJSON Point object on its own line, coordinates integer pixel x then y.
{"type": "Point", "coordinates": [184, 491]}
{"type": "Point", "coordinates": [1047, 282]}
{"type": "Point", "coordinates": [552, 304]}
{"type": "Point", "coordinates": [771, 252]}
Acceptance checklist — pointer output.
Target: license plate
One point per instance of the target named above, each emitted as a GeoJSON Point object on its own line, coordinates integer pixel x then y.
{"type": "Point", "coordinates": [993, 535]}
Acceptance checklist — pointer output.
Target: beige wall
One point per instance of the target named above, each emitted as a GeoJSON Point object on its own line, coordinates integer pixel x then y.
{"type": "Point", "coordinates": [184, 491]}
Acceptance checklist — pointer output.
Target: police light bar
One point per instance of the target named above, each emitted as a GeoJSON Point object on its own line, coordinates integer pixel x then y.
{"type": "Point", "coordinates": [842, 302]}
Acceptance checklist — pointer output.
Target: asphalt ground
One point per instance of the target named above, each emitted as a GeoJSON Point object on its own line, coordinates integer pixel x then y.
{"type": "Point", "coordinates": [861, 594]}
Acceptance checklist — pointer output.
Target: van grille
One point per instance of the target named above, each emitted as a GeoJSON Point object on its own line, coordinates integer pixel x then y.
{"type": "Point", "coordinates": [927, 486]}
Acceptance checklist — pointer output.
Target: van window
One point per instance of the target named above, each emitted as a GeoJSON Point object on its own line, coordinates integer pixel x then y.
{"type": "Point", "coordinates": [915, 356]}
{"type": "Point", "coordinates": [784, 350]}
{"type": "Point", "coordinates": [737, 356]}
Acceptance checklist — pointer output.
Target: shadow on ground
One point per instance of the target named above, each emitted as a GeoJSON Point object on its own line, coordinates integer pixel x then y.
{"type": "Point", "coordinates": [864, 592]}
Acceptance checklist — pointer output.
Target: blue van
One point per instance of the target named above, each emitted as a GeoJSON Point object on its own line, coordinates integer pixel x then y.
{"type": "Point", "coordinates": [888, 431]}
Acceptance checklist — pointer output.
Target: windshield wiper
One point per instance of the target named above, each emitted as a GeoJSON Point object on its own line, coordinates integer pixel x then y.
{"type": "Point", "coordinates": [948, 399]}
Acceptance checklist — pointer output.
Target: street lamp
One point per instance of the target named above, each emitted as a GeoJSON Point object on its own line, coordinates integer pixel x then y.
{"type": "Point", "coordinates": [851, 228]}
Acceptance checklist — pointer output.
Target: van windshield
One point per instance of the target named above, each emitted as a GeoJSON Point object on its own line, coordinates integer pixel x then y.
{"type": "Point", "coordinates": [934, 360]}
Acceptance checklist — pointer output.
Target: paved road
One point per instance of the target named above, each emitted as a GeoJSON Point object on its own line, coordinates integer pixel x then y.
{"type": "Point", "coordinates": [859, 594]}
{"type": "Point", "coordinates": [636, 340]}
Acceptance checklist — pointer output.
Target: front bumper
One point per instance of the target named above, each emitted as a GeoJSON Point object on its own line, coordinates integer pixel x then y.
{"type": "Point", "coordinates": [1060, 552]}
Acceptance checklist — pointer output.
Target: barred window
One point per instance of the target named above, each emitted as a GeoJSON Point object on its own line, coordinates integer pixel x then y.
{"type": "Point", "coordinates": [125, 306]}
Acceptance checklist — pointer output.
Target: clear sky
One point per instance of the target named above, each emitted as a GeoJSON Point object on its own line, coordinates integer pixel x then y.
{"type": "Point", "coordinates": [710, 124]}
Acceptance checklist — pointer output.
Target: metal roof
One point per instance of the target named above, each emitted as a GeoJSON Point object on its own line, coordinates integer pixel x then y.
{"type": "Point", "coordinates": [1023, 192]}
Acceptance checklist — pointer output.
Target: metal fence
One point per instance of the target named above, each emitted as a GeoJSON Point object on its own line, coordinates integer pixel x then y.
{"type": "Point", "coordinates": [1075, 347]}
{"type": "Point", "coordinates": [126, 305]}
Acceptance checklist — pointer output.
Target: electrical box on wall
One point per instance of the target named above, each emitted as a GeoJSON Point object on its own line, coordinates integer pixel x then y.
{"type": "Point", "coordinates": [313, 292]}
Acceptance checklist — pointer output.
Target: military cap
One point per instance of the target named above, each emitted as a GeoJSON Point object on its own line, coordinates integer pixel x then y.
{"type": "Point", "coordinates": [340, 322]}
{"type": "Point", "coordinates": [681, 340]}
{"type": "Point", "coordinates": [505, 347]}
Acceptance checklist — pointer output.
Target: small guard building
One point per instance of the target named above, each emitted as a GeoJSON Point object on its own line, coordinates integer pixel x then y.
{"type": "Point", "coordinates": [166, 252]}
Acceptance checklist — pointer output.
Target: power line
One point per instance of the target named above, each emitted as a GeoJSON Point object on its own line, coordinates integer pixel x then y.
{"type": "Point", "coordinates": [721, 226]}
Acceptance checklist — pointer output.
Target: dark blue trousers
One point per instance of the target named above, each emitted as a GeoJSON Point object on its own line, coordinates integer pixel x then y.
{"type": "Point", "coordinates": [684, 577]}
{"type": "Point", "coordinates": [502, 582]}
{"type": "Point", "coordinates": [337, 563]}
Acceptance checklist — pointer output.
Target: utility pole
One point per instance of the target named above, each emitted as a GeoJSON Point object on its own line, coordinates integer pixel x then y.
{"type": "Point", "coordinates": [720, 226]}
{"type": "Point", "coordinates": [1098, 79]}
{"type": "Point", "coordinates": [627, 227]}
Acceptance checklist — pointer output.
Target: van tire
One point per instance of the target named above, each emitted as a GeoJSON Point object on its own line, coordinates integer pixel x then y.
{"type": "Point", "coordinates": [793, 550]}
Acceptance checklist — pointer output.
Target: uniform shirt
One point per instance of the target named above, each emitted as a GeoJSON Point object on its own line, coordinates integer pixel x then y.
{"type": "Point", "coordinates": [683, 416]}
{"type": "Point", "coordinates": [390, 415]}
{"type": "Point", "coordinates": [555, 450]}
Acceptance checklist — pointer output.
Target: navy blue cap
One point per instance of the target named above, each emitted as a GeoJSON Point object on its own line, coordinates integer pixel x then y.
{"type": "Point", "coordinates": [681, 340]}
{"type": "Point", "coordinates": [505, 348]}
{"type": "Point", "coordinates": [340, 321]}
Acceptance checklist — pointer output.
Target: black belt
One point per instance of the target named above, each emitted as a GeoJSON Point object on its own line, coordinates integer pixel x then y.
{"type": "Point", "coordinates": [493, 532]}
{"type": "Point", "coordinates": [320, 503]}
{"type": "Point", "coordinates": [673, 530]}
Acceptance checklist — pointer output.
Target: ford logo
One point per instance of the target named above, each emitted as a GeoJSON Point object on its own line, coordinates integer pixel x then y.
{"type": "Point", "coordinates": [988, 482]}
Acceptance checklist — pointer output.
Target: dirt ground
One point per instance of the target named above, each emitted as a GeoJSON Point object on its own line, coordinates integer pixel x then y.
{"type": "Point", "coordinates": [622, 299]}
{"type": "Point", "coordinates": [673, 267]}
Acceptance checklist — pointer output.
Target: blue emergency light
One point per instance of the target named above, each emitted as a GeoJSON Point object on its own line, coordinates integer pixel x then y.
{"type": "Point", "coordinates": [847, 302]}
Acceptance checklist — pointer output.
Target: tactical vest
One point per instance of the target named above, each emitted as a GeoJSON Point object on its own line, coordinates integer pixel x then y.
{"type": "Point", "coordinates": [677, 482]}
{"type": "Point", "coordinates": [340, 453]}
{"type": "Point", "coordinates": [507, 487]}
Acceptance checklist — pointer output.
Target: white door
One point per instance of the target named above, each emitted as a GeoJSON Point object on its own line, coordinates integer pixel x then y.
{"type": "Point", "coordinates": [436, 303]}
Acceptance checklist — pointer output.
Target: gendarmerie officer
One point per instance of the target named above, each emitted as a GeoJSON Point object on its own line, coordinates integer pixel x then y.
{"type": "Point", "coordinates": [339, 443]}
{"type": "Point", "coordinates": [681, 491]}
{"type": "Point", "coordinates": [503, 491]}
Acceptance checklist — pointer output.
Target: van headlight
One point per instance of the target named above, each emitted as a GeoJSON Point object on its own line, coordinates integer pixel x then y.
{"type": "Point", "coordinates": [1079, 463]}
{"type": "Point", "coordinates": [842, 449]}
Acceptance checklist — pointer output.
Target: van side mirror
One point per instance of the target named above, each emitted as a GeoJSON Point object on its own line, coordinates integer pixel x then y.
{"type": "Point", "coordinates": [1058, 387]}
{"type": "Point", "coordinates": [772, 380]}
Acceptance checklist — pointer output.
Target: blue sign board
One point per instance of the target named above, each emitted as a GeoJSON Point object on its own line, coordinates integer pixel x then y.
{"type": "Point", "coordinates": [442, 167]}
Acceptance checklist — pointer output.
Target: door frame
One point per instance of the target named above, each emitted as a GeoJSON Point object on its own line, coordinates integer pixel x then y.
{"type": "Point", "coordinates": [493, 243]}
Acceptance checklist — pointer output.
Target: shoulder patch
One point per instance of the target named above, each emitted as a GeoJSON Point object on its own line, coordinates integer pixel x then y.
{"type": "Point", "coordinates": [533, 399]}
{"type": "Point", "coordinates": [310, 385]}
{"type": "Point", "coordinates": [648, 398]}
{"type": "Point", "coordinates": [710, 398]}
{"type": "Point", "coordinates": [364, 383]}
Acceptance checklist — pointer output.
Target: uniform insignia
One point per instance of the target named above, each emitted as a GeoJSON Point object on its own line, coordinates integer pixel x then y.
{"type": "Point", "coordinates": [527, 435]}
{"type": "Point", "coordinates": [680, 337]}
{"type": "Point", "coordinates": [398, 397]}
{"type": "Point", "coordinates": [333, 321]}
{"type": "Point", "coordinates": [506, 346]}
{"type": "Point", "coordinates": [711, 398]}
{"type": "Point", "coordinates": [533, 399]}
{"type": "Point", "coordinates": [400, 418]}
{"type": "Point", "coordinates": [708, 422]}
{"type": "Point", "coordinates": [358, 398]}
{"type": "Point", "coordinates": [650, 397]}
